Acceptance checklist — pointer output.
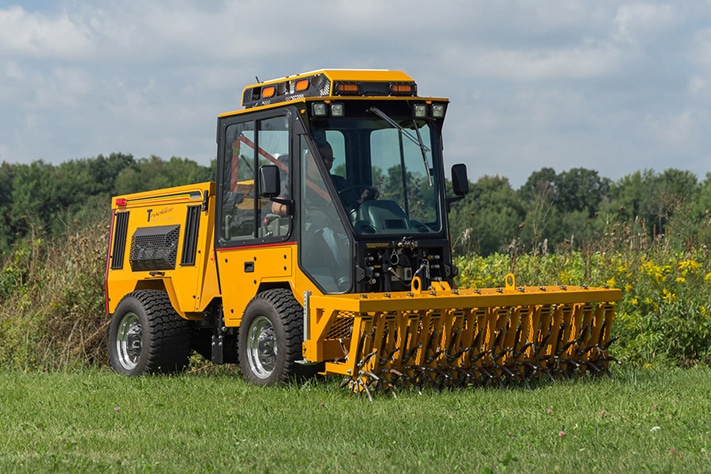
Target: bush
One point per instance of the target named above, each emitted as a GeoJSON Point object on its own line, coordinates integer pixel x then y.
{"type": "Point", "coordinates": [52, 296]}
{"type": "Point", "coordinates": [52, 303]}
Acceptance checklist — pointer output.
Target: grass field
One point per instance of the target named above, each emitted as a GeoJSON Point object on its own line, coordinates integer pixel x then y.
{"type": "Point", "coordinates": [95, 420]}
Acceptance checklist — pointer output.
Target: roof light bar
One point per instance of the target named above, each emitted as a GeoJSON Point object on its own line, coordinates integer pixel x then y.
{"type": "Point", "coordinates": [345, 88]}
{"type": "Point", "coordinates": [330, 83]}
{"type": "Point", "coordinates": [402, 89]}
{"type": "Point", "coordinates": [268, 91]}
{"type": "Point", "coordinates": [301, 85]}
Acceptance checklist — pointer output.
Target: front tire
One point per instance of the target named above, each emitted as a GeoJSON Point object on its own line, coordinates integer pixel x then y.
{"type": "Point", "coordinates": [270, 337]}
{"type": "Point", "coordinates": [146, 335]}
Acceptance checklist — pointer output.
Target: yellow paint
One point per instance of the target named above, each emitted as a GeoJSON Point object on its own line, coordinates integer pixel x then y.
{"type": "Point", "coordinates": [191, 288]}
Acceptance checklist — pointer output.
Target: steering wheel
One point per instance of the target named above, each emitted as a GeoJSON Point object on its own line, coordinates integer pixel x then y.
{"type": "Point", "coordinates": [353, 196]}
{"type": "Point", "coordinates": [362, 192]}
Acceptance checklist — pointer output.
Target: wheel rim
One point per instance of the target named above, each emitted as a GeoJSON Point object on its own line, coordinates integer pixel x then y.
{"type": "Point", "coordinates": [128, 341]}
{"type": "Point", "coordinates": [261, 347]}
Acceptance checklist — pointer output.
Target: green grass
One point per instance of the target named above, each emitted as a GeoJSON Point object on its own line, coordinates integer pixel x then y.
{"type": "Point", "coordinates": [95, 420]}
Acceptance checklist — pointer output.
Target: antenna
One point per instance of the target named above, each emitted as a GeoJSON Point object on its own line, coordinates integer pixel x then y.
{"type": "Point", "coordinates": [257, 78]}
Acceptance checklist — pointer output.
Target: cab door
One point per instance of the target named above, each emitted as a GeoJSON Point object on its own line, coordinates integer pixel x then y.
{"type": "Point", "coordinates": [253, 244]}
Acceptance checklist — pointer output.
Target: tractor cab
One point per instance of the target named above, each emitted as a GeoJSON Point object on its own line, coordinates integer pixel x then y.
{"type": "Point", "coordinates": [349, 166]}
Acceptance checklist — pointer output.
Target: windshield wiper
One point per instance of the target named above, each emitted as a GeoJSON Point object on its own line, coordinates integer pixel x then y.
{"type": "Point", "coordinates": [416, 140]}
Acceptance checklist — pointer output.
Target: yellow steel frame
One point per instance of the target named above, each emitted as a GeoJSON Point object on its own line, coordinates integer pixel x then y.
{"type": "Point", "coordinates": [504, 329]}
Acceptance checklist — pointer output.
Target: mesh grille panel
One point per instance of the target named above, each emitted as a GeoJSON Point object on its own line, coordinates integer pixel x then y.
{"type": "Point", "coordinates": [342, 328]}
{"type": "Point", "coordinates": [154, 248]}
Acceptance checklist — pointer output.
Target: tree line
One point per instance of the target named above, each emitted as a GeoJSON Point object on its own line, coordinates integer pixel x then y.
{"type": "Point", "coordinates": [52, 199]}
{"type": "Point", "coordinates": [579, 209]}
{"type": "Point", "coordinates": [549, 213]}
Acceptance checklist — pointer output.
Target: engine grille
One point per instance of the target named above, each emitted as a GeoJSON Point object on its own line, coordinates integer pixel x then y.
{"type": "Point", "coordinates": [119, 249]}
{"type": "Point", "coordinates": [154, 248]}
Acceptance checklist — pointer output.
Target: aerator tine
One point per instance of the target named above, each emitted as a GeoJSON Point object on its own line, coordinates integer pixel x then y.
{"type": "Point", "coordinates": [412, 352]}
{"type": "Point", "coordinates": [450, 357]}
{"type": "Point", "coordinates": [430, 342]}
{"type": "Point", "coordinates": [366, 359]}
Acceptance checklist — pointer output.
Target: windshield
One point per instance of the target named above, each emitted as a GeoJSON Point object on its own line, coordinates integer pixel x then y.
{"type": "Point", "coordinates": [384, 178]}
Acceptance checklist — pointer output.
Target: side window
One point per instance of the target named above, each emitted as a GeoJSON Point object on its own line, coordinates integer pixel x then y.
{"type": "Point", "coordinates": [246, 215]}
{"type": "Point", "coordinates": [273, 149]}
{"type": "Point", "coordinates": [238, 188]}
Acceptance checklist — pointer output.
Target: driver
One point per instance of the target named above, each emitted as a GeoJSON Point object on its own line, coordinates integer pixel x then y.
{"type": "Point", "coordinates": [348, 193]}
{"type": "Point", "coordinates": [327, 156]}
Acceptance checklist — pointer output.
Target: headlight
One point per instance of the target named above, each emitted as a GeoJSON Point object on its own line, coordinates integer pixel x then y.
{"type": "Point", "coordinates": [319, 109]}
{"type": "Point", "coordinates": [337, 109]}
{"type": "Point", "coordinates": [420, 110]}
{"type": "Point", "coordinates": [438, 110]}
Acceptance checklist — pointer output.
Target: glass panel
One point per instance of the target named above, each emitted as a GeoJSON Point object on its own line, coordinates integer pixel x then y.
{"type": "Point", "coordinates": [326, 248]}
{"type": "Point", "coordinates": [238, 189]}
{"type": "Point", "coordinates": [401, 174]}
{"type": "Point", "coordinates": [273, 149]}
{"type": "Point", "coordinates": [390, 188]}
{"type": "Point", "coordinates": [335, 139]}
{"type": "Point", "coordinates": [246, 215]}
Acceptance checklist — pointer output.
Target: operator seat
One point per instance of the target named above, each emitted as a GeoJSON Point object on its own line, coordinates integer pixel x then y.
{"type": "Point", "coordinates": [383, 215]}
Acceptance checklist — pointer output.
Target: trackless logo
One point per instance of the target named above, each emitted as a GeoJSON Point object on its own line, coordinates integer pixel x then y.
{"type": "Point", "coordinates": [161, 215]}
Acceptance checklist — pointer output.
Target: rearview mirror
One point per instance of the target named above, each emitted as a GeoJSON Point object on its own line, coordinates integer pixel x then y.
{"type": "Point", "coordinates": [269, 181]}
{"type": "Point", "coordinates": [460, 182]}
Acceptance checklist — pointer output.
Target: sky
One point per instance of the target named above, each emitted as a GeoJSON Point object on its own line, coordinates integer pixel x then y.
{"type": "Point", "coordinates": [610, 86]}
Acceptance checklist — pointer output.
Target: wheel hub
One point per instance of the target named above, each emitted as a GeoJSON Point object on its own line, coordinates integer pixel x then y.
{"type": "Point", "coordinates": [262, 347]}
{"type": "Point", "coordinates": [128, 341]}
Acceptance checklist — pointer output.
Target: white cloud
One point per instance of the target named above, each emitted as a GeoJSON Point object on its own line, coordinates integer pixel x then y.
{"type": "Point", "coordinates": [41, 36]}
{"type": "Point", "coordinates": [580, 62]}
{"type": "Point", "coordinates": [639, 22]}
{"type": "Point", "coordinates": [702, 48]}
{"type": "Point", "coordinates": [674, 129]}
{"type": "Point", "coordinates": [699, 87]}
{"type": "Point", "coordinates": [605, 85]}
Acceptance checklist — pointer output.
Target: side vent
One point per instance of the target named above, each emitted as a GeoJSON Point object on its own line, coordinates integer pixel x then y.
{"type": "Point", "coordinates": [190, 236]}
{"type": "Point", "coordinates": [154, 248]}
{"type": "Point", "coordinates": [119, 249]}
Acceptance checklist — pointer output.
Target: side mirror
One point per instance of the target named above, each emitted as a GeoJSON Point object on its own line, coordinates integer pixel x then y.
{"type": "Point", "coordinates": [269, 181]}
{"type": "Point", "coordinates": [460, 182]}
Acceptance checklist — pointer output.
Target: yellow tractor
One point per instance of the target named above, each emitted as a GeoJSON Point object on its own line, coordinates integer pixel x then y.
{"type": "Point", "coordinates": [323, 246]}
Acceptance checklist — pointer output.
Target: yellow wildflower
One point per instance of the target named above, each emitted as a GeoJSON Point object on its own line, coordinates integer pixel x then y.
{"type": "Point", "coordinates": [686, 266]}
{"type": "Point", "coordinates": [668, 296]}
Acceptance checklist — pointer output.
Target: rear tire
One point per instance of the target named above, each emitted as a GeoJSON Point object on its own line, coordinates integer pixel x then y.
{"type": "Point", "coordinates": [146, 335]}
{"type": "Point", "coordinates": [270, 338]}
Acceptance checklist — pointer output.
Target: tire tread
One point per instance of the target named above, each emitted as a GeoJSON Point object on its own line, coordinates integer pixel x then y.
{"type": "Point", "coordinates": [169, 349]}
{"type": "Point", "coordinates": [290, 314]}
